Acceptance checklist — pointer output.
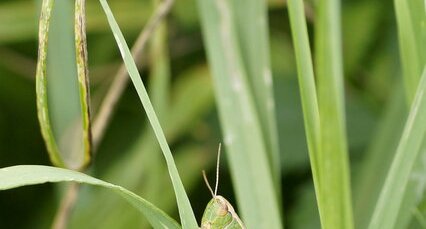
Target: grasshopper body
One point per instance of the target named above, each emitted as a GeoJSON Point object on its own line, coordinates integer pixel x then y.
{"type": "Point", "coordinates": [219, 213]}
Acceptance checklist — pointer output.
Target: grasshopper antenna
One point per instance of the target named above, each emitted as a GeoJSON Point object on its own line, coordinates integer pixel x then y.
{"type": "Point", "coordinates": [208, 184]}
{"type": "Point", "coordinates": [217, 175]}
{"type": "Point", "coordinates": [217, 170]}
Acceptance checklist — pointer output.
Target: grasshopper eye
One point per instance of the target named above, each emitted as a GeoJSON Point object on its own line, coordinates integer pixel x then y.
{"type": "Point", "coordinates": [222, 210]}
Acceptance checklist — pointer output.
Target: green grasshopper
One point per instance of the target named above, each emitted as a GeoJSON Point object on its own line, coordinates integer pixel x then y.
{"type": "Point", "coordinates": [219, 213]}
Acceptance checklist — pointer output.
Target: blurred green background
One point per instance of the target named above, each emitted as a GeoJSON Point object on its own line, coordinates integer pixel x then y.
{"type": "Point", "coordinates": [372, 69]}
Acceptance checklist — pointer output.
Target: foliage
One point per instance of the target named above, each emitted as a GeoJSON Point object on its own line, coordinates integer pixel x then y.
{"type": "Point", "coordinates": [315, 101]}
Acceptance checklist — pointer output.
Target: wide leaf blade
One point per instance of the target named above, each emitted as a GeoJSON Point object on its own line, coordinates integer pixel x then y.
{"type": "Point", "coordinates": [24, 175]}
{"type": "Point", "coordinates": [333, 160]}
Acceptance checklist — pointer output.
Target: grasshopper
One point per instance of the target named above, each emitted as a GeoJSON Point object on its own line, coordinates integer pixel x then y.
{"type": "Point", "coordinates": [219, 213]}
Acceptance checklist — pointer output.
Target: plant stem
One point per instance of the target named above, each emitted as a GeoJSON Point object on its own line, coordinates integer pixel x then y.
{"type": "Point", "coordinates": [65, 208]}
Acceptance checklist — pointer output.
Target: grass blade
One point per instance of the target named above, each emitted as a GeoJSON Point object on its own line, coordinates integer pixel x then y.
{"type": "Point", "coordinates": [392, 194]}
{"type": "Point", "coordinates": [251, 25]}
{"type": "Point", "coordinates": [307, 90]}
{"type": "Point", "coordinates": [62, 98]}
{"type": "Point", "coordinates": [24, 175]}
{"type": "Point", "coordinates": [41, 85]}
{"type": "Point", "coordinates": [83, 78]}
{"type": "Point", "coordinates": [410, 17]}
{"type": "Point", "coordinates": [186, 214]}
{"type": "Point", "coordinates": [247, 153]}
{"type": "Point", "coordinates": [334, 169]}
{"type": "Point", "coordinates": [132, 170]}
{"type": "Point", "coordinates": [420, 217]}
{"type": "Point", "coordinates": [414, 192]}
{"type": "Point", "coordinates": [121, 78]}
{"type": "Point", "coordinates": [378, 157]}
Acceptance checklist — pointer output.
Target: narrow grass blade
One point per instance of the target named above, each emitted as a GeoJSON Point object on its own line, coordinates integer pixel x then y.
{"type": "Point", "coordinates": [419, 220]}
{"type": "Point", "coordinates": [389, 204]}
{"type": "Point", "coordinates": [411, 17]}
{"type": "Point", "coordinates": [62, 88]}
{"type": "Point", "coordinates": [335, 180]}
{"type": "Point", "coordinates": [414, 194]}
{"type": "Point", "coordinates": [121, 79]}
{"type": "Point", "coordinates": [186, 214]}
{"type": "Point", "coordinates": [132, 170]}
{"type": "Point", "coordinates": [247, 151]}
{"type": "Point", "coordinates": [378, 157]}
{"type": "Point", "coordinates": [83, 78]}
{"type": "Point", "coordinates": [252, 27]}
{"type": "Point", "coordinates": [41, 84]}
{"type": "Point", "coordinates": [307, 90]}
{"type": "Point", "coordinates": [24, 175]}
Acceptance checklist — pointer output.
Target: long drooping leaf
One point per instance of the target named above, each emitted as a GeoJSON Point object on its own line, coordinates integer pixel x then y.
{"type": "Point", "coordinates": [409, 150]}
{"type": "Point", "coordinates": [118, 215]}
{"type": "Point", "coordinates": [307, 91]}
{"type": "Point", "coordinates": [186, 214]}
{"type": "Point", "coordinates": [242, 132]}
{"type": "Point", "coordinates": [41, 89]}
{"type": "Point", "coordinates": [83, 79]}
{"type": "Point", "coordinates": [62, 85]}
{"type": "Point", "coordinates": [333, 160]}
{"type": "Point", "coordinates": [24, 175]}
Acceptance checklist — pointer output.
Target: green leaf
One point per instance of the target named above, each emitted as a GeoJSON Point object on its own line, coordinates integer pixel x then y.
{"type": "Point", "coordinates": [23, 175]}
{"type": "Point", "coordinates": [333, 159]}
{"type": "Point", "coordinates": [411, 17]}
{"type": "Point", "coordinates": [62, 85]}
{"type": "Point", "coordinates": [326, 142]}
{"type": "Point", "coordinates": [186, 214]}
{"type": "Point", "coordinates": [241, 125]}
{"type": "Point", "coordinates": [307, 91]}
{"type": "Point", "coordinates": [378, 157]}
{"type": "Point", "coordinates": [409, 150]}
{"type": "Point", "coordinates": [253, 37]}
{"type": "Point", "coordinates": [136, 164]}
